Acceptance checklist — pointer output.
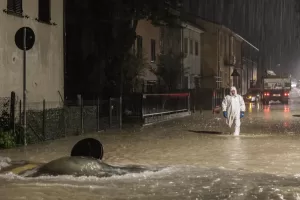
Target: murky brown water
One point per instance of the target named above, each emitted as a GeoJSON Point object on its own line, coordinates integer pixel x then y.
{"type": "Point", "coordinates": [263, 163]}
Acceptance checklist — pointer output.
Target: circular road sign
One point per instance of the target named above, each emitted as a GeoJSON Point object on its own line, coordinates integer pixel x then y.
{"type": "Point", "coordinates": [30, 38]}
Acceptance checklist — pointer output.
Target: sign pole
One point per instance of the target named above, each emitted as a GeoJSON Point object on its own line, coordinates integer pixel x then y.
{"type": "Point", "coordinates": [24, 87]}
{"type": "Point", "coordinates": [24, 39]}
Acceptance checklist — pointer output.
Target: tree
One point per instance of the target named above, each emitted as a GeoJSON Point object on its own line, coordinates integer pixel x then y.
{"type": "Point", "coordinates": [133, 69]}
{"type": "Point", "coordinates": [115, 23]}
{"type": "Point", "coordinates": [169, 69]}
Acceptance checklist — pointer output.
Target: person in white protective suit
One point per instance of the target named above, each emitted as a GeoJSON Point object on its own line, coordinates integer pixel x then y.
{"type": "Point", "coordinates": [233, 107]}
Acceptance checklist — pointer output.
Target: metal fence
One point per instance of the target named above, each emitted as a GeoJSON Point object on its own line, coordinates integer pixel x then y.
{"type": "Point", "coordinates": [207, 98]}
{"type": "Point", "coordinates": [46, 120]}
{"type": "Point", "coordinates": [152, 108]}
{"type": "Point", "coordinates": [52, 120]}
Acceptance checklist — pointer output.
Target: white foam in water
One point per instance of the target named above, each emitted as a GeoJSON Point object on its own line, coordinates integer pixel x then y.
{"type": "Point", "coordinates": [4, 162]}
{"type": "Point", "coordinates": [66, 185]}
{"type": "Point", "coordinates": [143, 175]}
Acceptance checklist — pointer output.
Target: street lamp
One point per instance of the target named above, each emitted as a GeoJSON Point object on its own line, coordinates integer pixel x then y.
{"type": "Point", "coordinates": [235, 76]}
{"type": "Point", "coordinates": [235, 73]}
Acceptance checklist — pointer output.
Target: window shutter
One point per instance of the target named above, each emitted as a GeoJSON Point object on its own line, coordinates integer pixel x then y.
{"type": "Point", "coordinates": [139, 46]}
{"type": "Point", "coordinates": [153, 53]}
{"type": "Point", "coordinates": [44, 10]}
{"type": "Point", "coordinates": [10, 5]}
{"type": "Point", "coordinates": [15, 6]}
{"type": "Point", "coordinates": [18, 6]}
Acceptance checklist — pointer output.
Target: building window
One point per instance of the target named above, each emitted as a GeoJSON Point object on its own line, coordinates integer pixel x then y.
{"type": "Point", "coordinates": [197, 82]}
{"type": "Point", "coordinates": [231, 45]}
{"type": "Point", "coordinates": [15, 6]}
{"type": "Point", "coordinates": [162, 37]}
{"type": "Point", "coordinates": [44, 11]}
{"type": "Point", "coordinates": [185, 46]}
{"type": "Point", "coordinates": [225, 78]}
{"type": "Point", "coordinates": [191, 47]}
{"type": "Point", "coordinates": [139, 46]}
{"type": "Point", "coordinates": [133, 48]}
{"type": "Point", "coordinates": [186, 82]}
{"type": "Point", "coordinates": [153, 53]}
{"type": "Point", "coordinates": [151, 86]}
{"type": "Point", "coordinates": [222, 44]}
{"type": "Point", "coordinates": [196, 48]}
{"type": "Point", "coordinates": [193, 6]}
{"type": "Point", "coordinates": [220, 79]}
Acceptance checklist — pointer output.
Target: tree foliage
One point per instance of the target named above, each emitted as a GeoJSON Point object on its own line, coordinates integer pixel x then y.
{"type": "Point", "coordinates": [133, 70]}
{"type": "Point", "coordinates": [107, 29]}
{"type": "Point", "coordinates": [116, 22]}
{"type": "Point", "coordinates": [169, 69]}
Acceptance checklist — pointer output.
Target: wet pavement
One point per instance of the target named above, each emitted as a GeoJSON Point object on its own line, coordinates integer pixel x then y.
{"type": "Point", "coordinates": [200, 160]}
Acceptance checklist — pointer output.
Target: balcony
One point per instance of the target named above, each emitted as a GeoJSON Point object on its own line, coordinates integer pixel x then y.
{"type": "Point", "coordinates": [231, 61]}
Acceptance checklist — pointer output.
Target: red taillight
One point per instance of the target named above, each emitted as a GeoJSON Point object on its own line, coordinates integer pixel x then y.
{"type": "Point", "coordinates": [267, 94]}
{"type": "Point", "coordinates": [286, 94]}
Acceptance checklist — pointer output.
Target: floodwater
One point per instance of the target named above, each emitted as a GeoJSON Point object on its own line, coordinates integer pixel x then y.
{"type": "Point", "coordinates": [199, 160]}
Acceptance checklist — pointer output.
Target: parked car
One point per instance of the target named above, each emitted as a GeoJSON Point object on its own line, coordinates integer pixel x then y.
{"type": "Point", "coordinates": [253, 95]}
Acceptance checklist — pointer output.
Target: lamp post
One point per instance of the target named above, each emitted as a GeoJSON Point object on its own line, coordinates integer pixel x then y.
{"type": "Point", "coordinates": [235, 76]}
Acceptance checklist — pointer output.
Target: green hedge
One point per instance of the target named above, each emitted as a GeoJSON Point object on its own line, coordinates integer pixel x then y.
{"type": "Point", "coordinates": [7, 139]}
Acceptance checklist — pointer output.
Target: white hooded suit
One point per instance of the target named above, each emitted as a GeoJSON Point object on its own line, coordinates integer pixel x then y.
{"type": "Point", "coordinates": [233, 105]}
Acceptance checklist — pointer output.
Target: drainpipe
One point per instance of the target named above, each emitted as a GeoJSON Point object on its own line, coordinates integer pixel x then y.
{"type": "Point", "coordinates": [64, 43]}
{"type": "Point", "coordinates": [218, 76]}
{"type": "Point", "coordinates": [247, 66]}
{"type": "Point", "coordinates": [252, 72]}
{"type": "Point", "coordinates": [218, 57]}
{"type": "Point", "coordinates": [182, 58]}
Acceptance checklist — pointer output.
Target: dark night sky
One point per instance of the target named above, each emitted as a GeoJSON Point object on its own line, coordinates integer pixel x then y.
{"type": "Point", "coordinates": [271, 25]}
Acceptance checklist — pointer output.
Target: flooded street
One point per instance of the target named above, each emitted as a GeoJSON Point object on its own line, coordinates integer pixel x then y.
{"type": "Point", "coordinates": [198, 157]}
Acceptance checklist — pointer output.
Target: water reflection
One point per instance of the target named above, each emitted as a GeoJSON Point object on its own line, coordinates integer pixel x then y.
{"type": "Point", "coordinates": [251, 107]}
{"type": "Point", "coordinates": [286, 124]}
{"type": "Point", "coordinates": [286, 108]}
{"type": "Point", "coordinates": [196, 155]}
{"type": "Point", "coordinates": [235, 153]}
{"type": "Point", "coordinates": [267, 112]}
{"type": "Point", "coordinates": [258, 105]}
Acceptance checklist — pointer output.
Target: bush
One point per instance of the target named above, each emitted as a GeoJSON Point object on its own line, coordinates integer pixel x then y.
{"type": "Point", "coordinates": [7, 139]}
{"type": "Point", "coordinates": [4, 116]}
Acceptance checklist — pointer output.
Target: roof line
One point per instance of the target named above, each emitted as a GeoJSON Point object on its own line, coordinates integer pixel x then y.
{"type": "Point", "coordinates": [187, 23]}
{"type": "Point", "coordinates": [222, 26]}
{"type": "Point", "coordinates": [237, 35]}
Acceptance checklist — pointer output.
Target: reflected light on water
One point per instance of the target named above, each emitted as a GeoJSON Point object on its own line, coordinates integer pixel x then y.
{"type": "Point", "coordinates": [266, 109]}
{"type": "Point", "coordinates": [236, 153]}
{"type": "Point", "coordinates": [258, 106]}
{"type": "Point", "coordinates": [286, 108]}
{"type": "Point", "coordinates": [250, 108]}
{"type": "Point", "coordinates": [253, 107]}
{"type": "Point", "coordinates": [267, 112]}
